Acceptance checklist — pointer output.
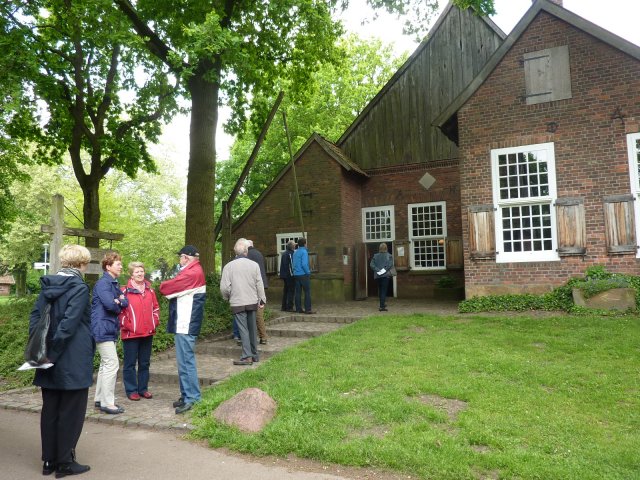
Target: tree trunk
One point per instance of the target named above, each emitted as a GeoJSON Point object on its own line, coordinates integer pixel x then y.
{"type": "Point", "coordinates": [91, 209]}
{"type": "Point", "coordinates": [20, 277]}
{"type": "Point", "coordinates": [202, 160]}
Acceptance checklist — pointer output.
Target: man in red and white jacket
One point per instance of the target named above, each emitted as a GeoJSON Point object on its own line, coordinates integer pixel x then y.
{"type": "Point", "coordinates": [187, 294]}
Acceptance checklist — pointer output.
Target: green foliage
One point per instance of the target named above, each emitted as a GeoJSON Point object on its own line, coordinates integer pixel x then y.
{"type": "Point", "coordinates": [596, 280]}
{"type": "Point", "coordinates": [14, 331]}
{"type": "Point", "coordinates": [338, 93]}
{"type": "Point", "coordinates": [446, 281]}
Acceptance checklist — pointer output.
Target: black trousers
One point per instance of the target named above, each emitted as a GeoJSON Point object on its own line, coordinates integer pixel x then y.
{"type": "Point", "coordinates": [61, 422]}
{"type": "Point", "coordinates": [288, 289]}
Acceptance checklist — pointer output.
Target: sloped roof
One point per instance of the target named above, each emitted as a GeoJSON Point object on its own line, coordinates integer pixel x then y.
{"type": "Point", "coordinates": [414, 56]}
{"type": "Point", "coordinates": [538, 6]}
{"type": "Point", "coordinates": [332, 150]}
{"type": "Point", "coordinates": [7, 280]}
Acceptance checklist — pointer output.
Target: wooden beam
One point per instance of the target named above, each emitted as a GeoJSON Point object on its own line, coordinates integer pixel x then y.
{"type": "Point", "coordinates": [83, 232]}
{"type": "Point", "coordinates": [252, 158]}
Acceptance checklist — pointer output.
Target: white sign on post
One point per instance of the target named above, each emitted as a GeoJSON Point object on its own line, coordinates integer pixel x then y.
{"type": "Point", "coordinates": [40, 265]}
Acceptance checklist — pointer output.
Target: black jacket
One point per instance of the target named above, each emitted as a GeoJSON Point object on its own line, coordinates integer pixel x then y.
{"type": "Point", "coordinates": [70, 346]}
{"type": "Point", "coordinates": [255, 255]}
{"type": "Point", "coordinates": [286, 264]}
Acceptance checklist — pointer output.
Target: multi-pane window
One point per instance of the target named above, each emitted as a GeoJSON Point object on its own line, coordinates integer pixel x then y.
{"type": "Point", "coordinates": [378, 224]}
{"type": "Point", "coordinates": [633, 144]}
{"type": "Point", "coordinates": [282, 240]}
{"type": "Point", "coordinates": [427, 233]}
{"type": "Point", "coordinates": [524, 189]}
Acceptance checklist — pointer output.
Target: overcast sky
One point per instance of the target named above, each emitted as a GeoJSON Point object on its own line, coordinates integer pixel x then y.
{"type": "Point", "coordinates": [618, 16]}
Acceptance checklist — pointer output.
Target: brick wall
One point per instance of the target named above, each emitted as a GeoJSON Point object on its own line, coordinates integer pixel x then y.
{"type": "Point", "coordinates": [590, 146]}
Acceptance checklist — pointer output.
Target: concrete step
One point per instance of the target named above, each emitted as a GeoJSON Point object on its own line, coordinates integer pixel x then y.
{"type": "Point", "coordinates": [314, 318]}
{"type": "Point", "coordinates": [306, 329]}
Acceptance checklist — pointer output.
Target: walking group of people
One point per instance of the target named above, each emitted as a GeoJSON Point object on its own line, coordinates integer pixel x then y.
{"type": "Point", "coordinates": [79, 326]}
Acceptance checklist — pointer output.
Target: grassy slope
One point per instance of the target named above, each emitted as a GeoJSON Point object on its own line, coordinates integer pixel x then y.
{"type": "Point", "coordinates": [545, 398]}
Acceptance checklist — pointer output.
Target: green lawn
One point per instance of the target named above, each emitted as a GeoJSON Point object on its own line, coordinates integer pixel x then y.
{"type": "Point", "coordinates": [454, 398]}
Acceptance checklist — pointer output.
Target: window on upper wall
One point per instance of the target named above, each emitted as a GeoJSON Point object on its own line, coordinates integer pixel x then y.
{"type": "Point", "coordinates": [427, 233]}
{"type": "Point", "coordinates": [633, 144]}
{"type": "Point", "coordinates": [547, 75]}
{"type": "Point", "coordinates": [524, 189]}
{"type": "Point", "coordinates": [378, 224]}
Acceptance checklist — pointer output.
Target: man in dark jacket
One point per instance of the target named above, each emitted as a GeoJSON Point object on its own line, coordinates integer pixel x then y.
{"type": "Point", "coordinates": [286, 274]}
{"type": "Point", "coordinates": [255, 255]}
{"type": "Point", "coordinates": [70, 347]}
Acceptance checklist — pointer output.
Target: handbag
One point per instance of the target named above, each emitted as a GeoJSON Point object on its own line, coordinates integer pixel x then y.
{"type": "Point", "coordinates": [392, 271]}
{"type": "Point", "coordinates": [35, 353]}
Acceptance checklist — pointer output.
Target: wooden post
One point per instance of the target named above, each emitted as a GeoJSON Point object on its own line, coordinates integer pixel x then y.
{"type": "Point", "coordinates": [57, 224]}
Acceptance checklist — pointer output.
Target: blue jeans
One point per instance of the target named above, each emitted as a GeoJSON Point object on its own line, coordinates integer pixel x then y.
{"type": "Point", "coordinates": [383, 286]}
{"type": "Point", "coordinates": [303, 282]}
{"type": "Point", "coordinates": [248, 333]}
{"type": "Point", "coordinates": [187, 369]}
{"type": "Point", "coordinates": [136, 351]}
{"type": "Point", "coordinates": [236, 330]}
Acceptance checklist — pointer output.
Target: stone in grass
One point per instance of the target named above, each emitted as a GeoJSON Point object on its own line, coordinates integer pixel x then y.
{"type": "Point", "coordinates": [250, 410]}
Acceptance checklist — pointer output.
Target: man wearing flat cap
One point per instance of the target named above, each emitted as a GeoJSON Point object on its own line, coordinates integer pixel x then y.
{"type": "Point", "coordinates": [187, 294]}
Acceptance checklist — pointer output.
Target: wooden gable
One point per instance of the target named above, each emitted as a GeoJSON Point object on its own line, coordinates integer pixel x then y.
{"type": "Point", "coordinates": [395, 128]}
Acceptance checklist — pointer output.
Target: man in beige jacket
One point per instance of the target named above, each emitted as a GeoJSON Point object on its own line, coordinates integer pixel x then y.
{"type": "Point", "coordinates": [241, 285]}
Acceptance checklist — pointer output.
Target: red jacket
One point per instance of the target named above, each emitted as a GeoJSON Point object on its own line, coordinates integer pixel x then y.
{"type": "Point", "coordinates": [142, 316]}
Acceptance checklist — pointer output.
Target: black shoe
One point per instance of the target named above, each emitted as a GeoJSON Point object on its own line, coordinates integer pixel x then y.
{"type": "Point", "coordinates": [178, 403]}
{"type": "Point", "coordinates": [112, 411]}
{"type": "Point", "coordinates": [184, 408]}
{"type": "Point", "coordinates": [244, 361]}
{"type": "Point", "coordinates": [263, 341]}
{"type": "Point", "coordinates": [96, 404]}
{"type": "Point", "coordinates": [255, 359]}
{"type": "Point", "coordinates": [310, 312]}
{"type": "Point", "coordinates": [48, 467]}
{"type": "Point", "coordinates": [71, 468]}
{"type": "Point", "coordinates": [383, 309]}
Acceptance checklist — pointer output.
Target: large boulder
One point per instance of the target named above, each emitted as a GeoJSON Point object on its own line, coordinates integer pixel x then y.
{"type": "Point", "coordinates": [249, 410]}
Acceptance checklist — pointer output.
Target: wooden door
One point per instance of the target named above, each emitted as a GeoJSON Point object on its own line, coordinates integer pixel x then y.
{"type": "Point", "coordinates": [361, 267]}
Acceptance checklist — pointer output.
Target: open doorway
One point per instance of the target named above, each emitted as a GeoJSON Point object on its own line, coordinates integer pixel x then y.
{"type": "Point", "coordinates": [372, 286]}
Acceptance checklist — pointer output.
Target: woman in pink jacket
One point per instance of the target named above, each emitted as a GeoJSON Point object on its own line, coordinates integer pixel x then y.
{"type": "Point", "coordinates": [138, 323]}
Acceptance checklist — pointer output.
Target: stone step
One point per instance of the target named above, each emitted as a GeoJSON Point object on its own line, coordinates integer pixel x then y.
{"type": "Point", "coordinates": [315, 318]}
{"type": "Point", "coordinates": [229, 347]}
{"type": "Point", "coordinates": [302, 329]}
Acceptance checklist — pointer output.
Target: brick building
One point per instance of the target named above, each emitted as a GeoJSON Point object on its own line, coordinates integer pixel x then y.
{"type": "Point", "coordinates": [392, 177]}
{"type": "Point", "coordinates": [508, 162]}
{"type": "Point", "coordinates": [549, 148]}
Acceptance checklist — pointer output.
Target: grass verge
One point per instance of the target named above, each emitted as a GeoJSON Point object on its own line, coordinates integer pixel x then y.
{"type": "Point", "coordinates": [453, 398]}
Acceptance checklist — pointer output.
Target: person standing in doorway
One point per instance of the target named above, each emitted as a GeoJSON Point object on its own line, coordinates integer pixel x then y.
{"type": "Point", "coordinates": [187, 293]}
{"type": "Point", "coordinates": [286, 274]}
{"type": "Point", "coordinates": [381, 264]}
{"type": "Point", "coordinates": [255, 255]}
{"type": "Point", "coordinates": [241, 285]}
{"type": "Point", "coordinates": [138, 323]}
{"type": "Point", "coordinates": [302, 275]}
{"type": "Point", "coordinates": [106, 304]}
{"type": "Point", "coordinates": [70, 347]}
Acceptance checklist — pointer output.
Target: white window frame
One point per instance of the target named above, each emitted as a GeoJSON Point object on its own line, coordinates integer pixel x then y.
{"type": "Point", "coordinates": [283, 238]}
{"type": "Point", "coordinates": [390, 209]}
{"type": "Point", "coordinates": [436, 238]}
{"type": "Point", "coordinates": [634, 177]}
{"type": "Point", "coordinates": [546, 149]}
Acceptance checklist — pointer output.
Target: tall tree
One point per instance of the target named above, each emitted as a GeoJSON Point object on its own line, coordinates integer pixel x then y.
{"type": "Point", "coordinates": [234, 51]}
{"type": "Point", "coordinates": [337, 94]}
{"type": "Point", "coordinates": [77, 58]}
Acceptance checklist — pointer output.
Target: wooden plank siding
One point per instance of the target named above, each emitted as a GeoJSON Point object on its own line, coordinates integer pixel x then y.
{"type": "Point", "coordinates": [572, 231]}
{"type": "Point", "coordinates": [395, 128]}
{"type": "Point", "coordinates": [619, 224]}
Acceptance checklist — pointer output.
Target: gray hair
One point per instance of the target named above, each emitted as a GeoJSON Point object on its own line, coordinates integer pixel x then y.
{"type": "Point", "coordinates": [241, 247]}
{"type": "Point", "coordinates": [74, 256]}
{"type": "Point", "coordinates": [249, 243]}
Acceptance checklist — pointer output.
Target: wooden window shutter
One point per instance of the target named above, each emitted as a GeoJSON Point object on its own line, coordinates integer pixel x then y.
{"type": "Point", "coordinates": [572, 231]}
{"type": "Point", "coordinates": [401, 254]}
{"type": "Point", "coordinates": [482, 242]}
{"type": "Point", "coordinates": [454, 252]}
{"type": "Point", "coordinates": [619, 224]}
{"type": "Point", "coordinates": [547, 75]}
